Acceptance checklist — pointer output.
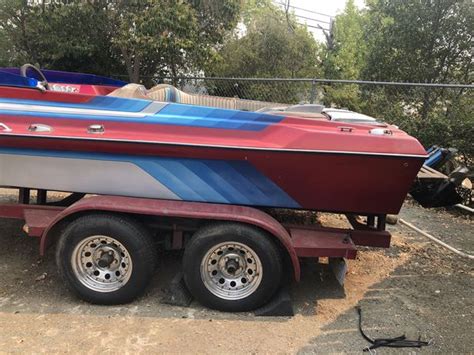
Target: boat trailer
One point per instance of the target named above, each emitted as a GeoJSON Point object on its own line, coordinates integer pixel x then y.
{"type": "Point", "coordinates": [174, 224]}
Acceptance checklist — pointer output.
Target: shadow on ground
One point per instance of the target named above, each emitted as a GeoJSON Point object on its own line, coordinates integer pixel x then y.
{"type": "Point", "coordinates": [30, 284]}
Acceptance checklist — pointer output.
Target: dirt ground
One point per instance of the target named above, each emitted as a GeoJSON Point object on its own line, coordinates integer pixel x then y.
{"type": "Point", "coordinates": [414, 288]}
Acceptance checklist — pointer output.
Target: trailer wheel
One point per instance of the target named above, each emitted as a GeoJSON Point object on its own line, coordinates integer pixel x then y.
{"type": "Point", "coordinates": [232, 267]}
{"type": "Point", "coordinates": [106, 259]}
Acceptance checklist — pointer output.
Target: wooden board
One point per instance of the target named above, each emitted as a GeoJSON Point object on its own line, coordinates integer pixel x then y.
{"type": "Point", "coordinates": [429, 173]}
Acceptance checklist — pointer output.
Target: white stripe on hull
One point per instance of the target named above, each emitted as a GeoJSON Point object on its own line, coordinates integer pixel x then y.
{"type": "Point", "coordinates": [79, 111]}
{"type": "Point", "coordinates": [80, 175]}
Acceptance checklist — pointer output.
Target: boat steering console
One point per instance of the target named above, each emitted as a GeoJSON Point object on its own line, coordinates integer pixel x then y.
{"type": "Point", "coordinates": [43, 84]}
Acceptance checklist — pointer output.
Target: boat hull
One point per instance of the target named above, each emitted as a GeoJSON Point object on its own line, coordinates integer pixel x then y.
{"type": "Point", "coordinates": [144, 148]}
{"type": "Point", "coordinates": [324, 181]}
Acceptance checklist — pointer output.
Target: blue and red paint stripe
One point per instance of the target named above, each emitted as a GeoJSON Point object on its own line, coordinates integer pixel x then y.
{"type": "Point", "coordinates": [201, 180]}
{"type": "Point", "coordinates": [168, 114]}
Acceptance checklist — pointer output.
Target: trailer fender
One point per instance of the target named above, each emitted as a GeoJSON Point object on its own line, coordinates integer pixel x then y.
{"type": "Point", "coordinates": [183, 209]}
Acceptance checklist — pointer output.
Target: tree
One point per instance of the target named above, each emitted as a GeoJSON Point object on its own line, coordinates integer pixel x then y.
{"type": "Point", "coordinates": [153, 38]}
{"type": "Point", "coordinates": [345, 57]}
{"type": "Point", "coordinates": [143, 37]}
{"type": "Point", "coordinates": [64, 36]}
{"type": "Point", "coordinates": [422, 41]}
{"type": "Point", "coordinates": [270, 45]}
{"type": "Point", "coordinates": [4, 49]}
{"type": "Point", "coordinates": [169, 38]}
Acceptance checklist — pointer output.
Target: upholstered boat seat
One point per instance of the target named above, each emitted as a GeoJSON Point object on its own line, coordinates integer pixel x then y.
{"type": "Point", "coordinates": [168, 93]}
{"type": "Point", "coordinates": [131, 91]}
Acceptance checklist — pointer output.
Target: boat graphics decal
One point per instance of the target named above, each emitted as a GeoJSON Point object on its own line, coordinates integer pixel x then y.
{"type": "Point", "coordinates": [105, 103]}
{"type": "Point", "coordinates": [74, 175]}
{"type": "Point", "coordinates": [141, 111]}
{"type": "Point", "coordinates": [202, 180]}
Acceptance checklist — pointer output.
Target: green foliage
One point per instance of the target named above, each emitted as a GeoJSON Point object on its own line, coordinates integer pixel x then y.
{"type": "Point", "coordinates": [216, 18]}
{"type": "Point", "coordinates": [449, 122]}
{"type": "Point", "coordinates": [170, 38]}
{"type": "Point", "coordinates": [143, 37]}
{"type": "Point", "coordinates": [345, 57]}
{"type": "Point", "coordinates": [152, 36]}
{"type": "Point", "coordinates": [407, 40]}
{"type": "Point", "coordinates": [459, 123]}
{"type": "Point", "coordinates": [423, 41]}
{"type": "Point", "coordinates": [72, 36]}
{"type": "Point", "coordinates": [271, 45]}
{"type": "Point", "coordinates": [4, 49]}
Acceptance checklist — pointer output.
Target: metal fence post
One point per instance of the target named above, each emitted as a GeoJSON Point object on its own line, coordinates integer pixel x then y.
{"type": "Point", "coordinates": [313, 92]}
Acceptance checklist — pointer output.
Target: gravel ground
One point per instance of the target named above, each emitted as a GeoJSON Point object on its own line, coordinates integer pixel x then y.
{"type": "Point", "coordinates": [415, 287]}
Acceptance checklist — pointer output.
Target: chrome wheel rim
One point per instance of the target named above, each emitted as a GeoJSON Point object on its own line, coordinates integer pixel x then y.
{"type": "Point", "coordinates": [101, 263]}
{"type": "Point", "coordinates": [231, 270]}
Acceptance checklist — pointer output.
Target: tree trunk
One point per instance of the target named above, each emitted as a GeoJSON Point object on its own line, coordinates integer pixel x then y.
{"type": "Point", "coordinates": [133, 66]}
{"type": "Point", "coordinates": [174, 74]}
{"type": "Point", "coordinates": [136, 69]}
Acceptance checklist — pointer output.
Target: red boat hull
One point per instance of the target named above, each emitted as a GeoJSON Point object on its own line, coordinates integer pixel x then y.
{"type": "Point", "coordinates": [364, 184]}
{"type": "Point", "coordinates": [203, 154]}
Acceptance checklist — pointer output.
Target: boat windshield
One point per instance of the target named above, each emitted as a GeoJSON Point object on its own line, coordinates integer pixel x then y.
{"type": "Point", "coordinates": [13, 77]}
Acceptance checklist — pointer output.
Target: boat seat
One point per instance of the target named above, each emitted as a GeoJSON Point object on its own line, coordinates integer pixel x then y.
{"type": "Point", "coordinates": [161, 92]}
{"type": "Point", "coordinates": [131, 91]}
{"type": "Point", "coordinates": [169, 93]}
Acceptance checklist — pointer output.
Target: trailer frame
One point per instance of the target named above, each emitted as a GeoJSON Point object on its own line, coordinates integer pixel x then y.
{"type": "Point", "coordinates": [297, 241]}
{"type": "Point", "coordinates": [174, 224]}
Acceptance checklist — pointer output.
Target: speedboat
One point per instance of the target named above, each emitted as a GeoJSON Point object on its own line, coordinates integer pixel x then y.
{"type": "Point", "coordinates": [78, 133]}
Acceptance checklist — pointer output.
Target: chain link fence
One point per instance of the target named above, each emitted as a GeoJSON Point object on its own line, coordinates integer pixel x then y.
{"type": "Point", "coordinates": [270, 92]}
{"type": "Point", "coordinates": [293, 91]}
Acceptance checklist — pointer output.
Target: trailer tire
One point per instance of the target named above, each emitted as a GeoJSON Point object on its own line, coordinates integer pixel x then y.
{"type": "Point", "coordinates": [232, 267]}
{"type": "Point", "coordinates": [106, 258]}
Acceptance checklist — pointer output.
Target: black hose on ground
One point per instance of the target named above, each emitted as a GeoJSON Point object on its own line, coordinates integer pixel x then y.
{"type": "Point", "coordinates": [397, 342]}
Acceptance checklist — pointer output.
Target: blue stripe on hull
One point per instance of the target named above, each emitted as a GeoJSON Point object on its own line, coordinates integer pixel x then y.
{"type": "Point", "coordinates": [203, 180]}
{"type": "Point", "coordinates": [171, 114]}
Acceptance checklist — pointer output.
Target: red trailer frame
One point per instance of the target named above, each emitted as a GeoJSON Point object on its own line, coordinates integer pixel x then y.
{"type": "Point", "coordinates": [297, 241]}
